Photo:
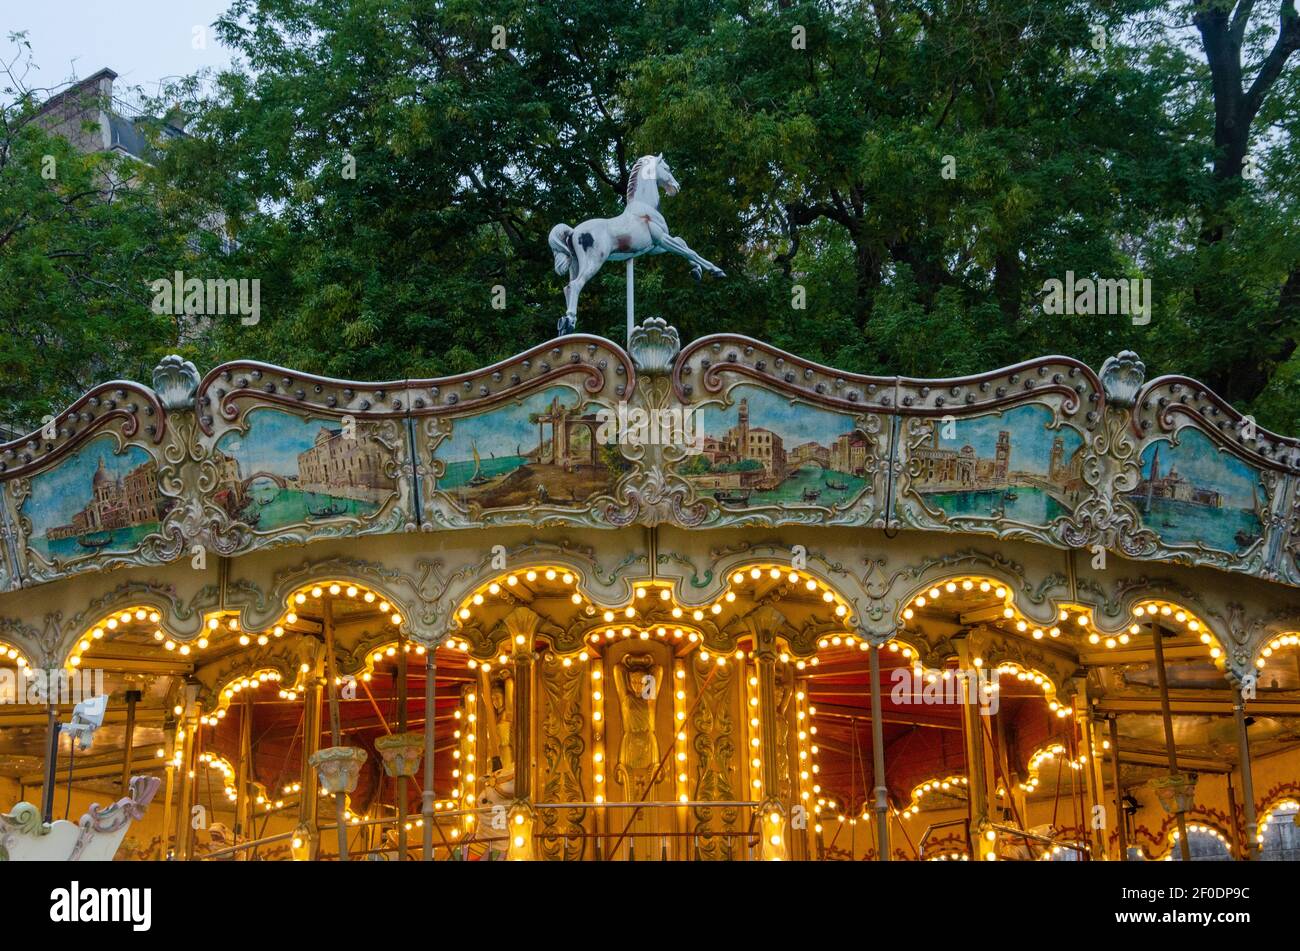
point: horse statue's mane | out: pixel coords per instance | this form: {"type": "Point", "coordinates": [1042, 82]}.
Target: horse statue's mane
{"type": "Point", "coordinates": [634, 173]}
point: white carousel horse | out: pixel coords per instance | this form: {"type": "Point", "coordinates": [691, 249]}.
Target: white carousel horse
{"type": "Point", "coordinates": [640, 229]}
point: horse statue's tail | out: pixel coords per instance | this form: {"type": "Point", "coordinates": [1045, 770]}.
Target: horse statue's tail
{"type": "Point", "coordinates": [561, 242]}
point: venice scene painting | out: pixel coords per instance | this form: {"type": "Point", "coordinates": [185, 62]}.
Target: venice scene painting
{"type": "Point", "coordinates": [1191, 493]}
{"type": "Point", "coordinates": [98, 500]}
{"type": "Point", "coordinates": [1013, 465]}
{"type": "Point", "coordinates": [544, 449]}
{"type": "Point", "coordinates": [286, 470]}
{"type": "Point", "coordinates": [764, 448]}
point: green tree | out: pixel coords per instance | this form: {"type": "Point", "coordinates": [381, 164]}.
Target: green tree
{"type": "Point", "coordinates": [81, 237]}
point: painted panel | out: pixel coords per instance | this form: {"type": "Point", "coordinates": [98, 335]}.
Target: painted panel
{"type": "Point", "coordinates": [99, 500]}
{"type": "Point", "coordinates": [762, 448]}
{"type": "Point", "coordinates": [1018, 466]}
{"type": "Point", "coordinates": [1191, 493]}
{"type": "Point", "coordinates": [540, 451]}
{"type": "Point", "coordinates": [286, 470]}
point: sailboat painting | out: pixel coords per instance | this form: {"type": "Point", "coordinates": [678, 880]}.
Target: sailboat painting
{"type": "Point", "coordinates": [541, 449]}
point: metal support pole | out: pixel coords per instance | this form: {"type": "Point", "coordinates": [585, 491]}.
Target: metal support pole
{"type": "Point", "coordinates": [51, 755]}
{"type": "Point", "coordinates": [1119, 792]}
{"type": "Point", "coordinates": [132, 698]}
{"type": "Point", "coordinates": [426, 805]}
{"type": "Point", "coordinates": [245, 768]}
{"type": "Point", "coordinates": [631, 305]}
{"type": "Point", "coordinates": [340, 810]}
{"type": "Point", "coordinates": [309, 798]}
{"type": "Point", "coordinates": [169, 748]}
{"type": "Point", "coordinates": [1247, 780]}
{"type": "Point", "coordinates": [402, 670]}
{"type": "Point", "coordinates": [1093, 782]}
{"type": "Point", "coordinates": [1184, 847]}
{"type": "Point", "coordinates": [878, 759]}
{"type": "Point", "coordinates": [189, 725]}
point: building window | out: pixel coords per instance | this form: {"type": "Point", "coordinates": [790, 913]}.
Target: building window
{"type": "Point", "coordinates": [1279, 836]}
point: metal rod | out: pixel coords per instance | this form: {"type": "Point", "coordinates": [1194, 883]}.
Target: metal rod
{"type": "Point", "coordinates": [631, 300]}
{"type": "Point", "coordinates": [1247, 779]}
{"type": "Point", "coordinates": [402, 671]}
{"type": "Point", "coordinates": [51, 759]}
{"type": "Point", "coordinates": [339, 809]}
{"type": "Point", "coordinates": [426, 806]}
{"type": "Point", "coordinates": [1184, 847]}
{"type": "Point", "coordinates": [132, 698]}
{"type": "Point", "coordinates": [878, 760]}
{"type": "Point", "coordinates": [1122, 826]}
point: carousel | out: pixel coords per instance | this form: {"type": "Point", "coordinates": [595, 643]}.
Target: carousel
{"type": "Point", "coordinates": [712, 602]}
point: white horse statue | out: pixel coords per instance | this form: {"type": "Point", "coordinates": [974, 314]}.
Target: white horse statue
{"type": "Point", "coordinates": [640, 229]}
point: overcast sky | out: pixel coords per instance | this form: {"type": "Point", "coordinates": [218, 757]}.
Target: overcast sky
{"type": "Point", "coordinates": [143, 41]}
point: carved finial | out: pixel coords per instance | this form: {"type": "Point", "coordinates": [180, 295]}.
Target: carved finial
{"type": "Point", "coordinates": [1121, 378]}
{"type": "Point", "coordinates": [654, 346]}
{"type": "Point", "coordinates": [175, 380]}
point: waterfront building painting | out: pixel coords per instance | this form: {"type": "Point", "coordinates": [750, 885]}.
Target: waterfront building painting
{"type": "Point", "coordinates": [1010, 465]}
{"type": "Point", "coordinates": [286, 469]}
{"type": "Point", "coordinates": [98, 500]}
{"type": "Point", "coordinates": [1190, 493]}
{"type": "Point", "coordinates": [763, 448]}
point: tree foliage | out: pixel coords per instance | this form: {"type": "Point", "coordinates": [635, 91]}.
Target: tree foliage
{"type": "Point", "coordinates": [911, 172]}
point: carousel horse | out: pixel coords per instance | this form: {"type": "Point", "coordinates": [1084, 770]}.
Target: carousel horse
{"type": "Point", "coordinates": [640, 229]}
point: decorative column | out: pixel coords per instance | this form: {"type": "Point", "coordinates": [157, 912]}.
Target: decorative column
{"type": "Point", "coordinates": [187, 733]}
{"type": "Point", "coordinates": [132, 698]}
{"type": "Point", "coordinates": [1093, 782]}
{"type": "Point", "coordinates": [403, 752]}
{"type": "Point", "coordinates": [1121, 824]}
{"type": "Point", "coordinates": [331, 763]}
{"type": "Point", "coordinates": [245, 767]}
{"type": "Point", "coordinates": [1175, 791]}
{"type": "Point", "coordinates": [169, 752]}
{"type": "Point", "coordinates": [306, 837]}
{"type": "Point", "coordinates": [878, 758]}
{"type": "Point", "coordinates": [522, 625]}
{"type": "Point", "coordinates": [1247, 779]}
{"type": "Point", "coordinates": [764, 623]}
{"type": "Point", "coordinates": [427, 797]}
{"type": "Point", "coordinates": [973, 733]}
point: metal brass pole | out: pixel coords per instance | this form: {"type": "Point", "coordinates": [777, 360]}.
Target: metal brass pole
{"type": "Point", "coordinates": [245, 767]}
{"type": "Point", "coordinates": [1184, 847]}
{"type": "Point", "coordinates": [631, 298]}
{"type": "Point", "coordinates": [426, 805]}
{"type": "Point", "coordinates": [184, 806]}
{"type": "Point", "coordinates": [1122, 826]}
{"type": "Point", "coordinates": [402, 669]}
{"type": "Point", "coordinates": [340, 811]}
{"type": "Point", "coordinates": [132, 698]}
{"type": "Point", "coordinates": [169, 750]}
{"type": "Point", "coordinates": [973, 733]}
{"type": "Point", "coordinates": [51, 753]}
{"type": "Point", "coordinates": [878, 759]}
{"type": "Point", "coordinates": [1092, 783]}
{"type": "Point", "coordinates": [309, 800]}
{"type": "Point", "coordinates": [1247, 779]}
